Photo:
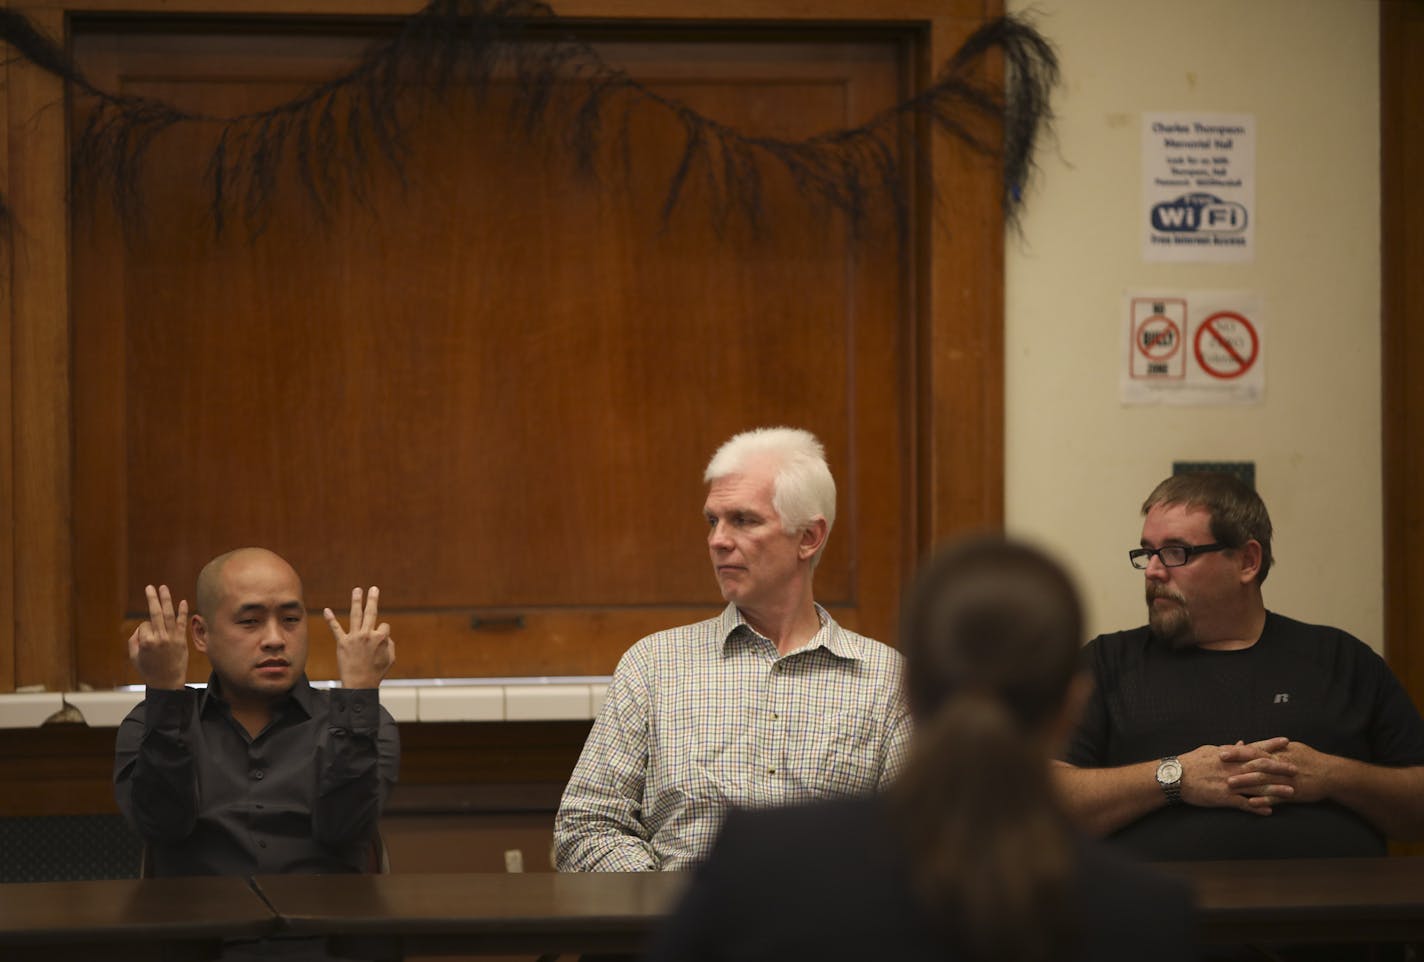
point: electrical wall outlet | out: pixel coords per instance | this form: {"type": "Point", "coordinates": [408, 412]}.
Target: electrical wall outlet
{"type": "Point", "coordinates": [1245, 470]}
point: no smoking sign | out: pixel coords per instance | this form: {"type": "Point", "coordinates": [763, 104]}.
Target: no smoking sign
{"type": "Point", "coordinates": [1226, 345]}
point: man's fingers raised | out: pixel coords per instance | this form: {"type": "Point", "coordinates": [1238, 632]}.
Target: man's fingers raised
{"type": "Point", "coordinates": [155, 610]}
{"type": "Point", "coordinates": [180, 621]}
{"type": "Point", "coordinates": [165, 604]}
{"type": "Point", "coordinates": [369, 620]}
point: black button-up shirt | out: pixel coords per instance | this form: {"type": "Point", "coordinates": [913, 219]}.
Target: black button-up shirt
{"type": "Point", "coordinates": [303, 796]}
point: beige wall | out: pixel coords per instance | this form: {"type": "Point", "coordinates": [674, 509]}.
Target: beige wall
{"type": "Point", "coordinates": [1079, 462]}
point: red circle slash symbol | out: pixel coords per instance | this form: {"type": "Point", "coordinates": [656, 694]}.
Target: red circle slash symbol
{"type": "Point", "coordinates": [1226, 345]}
{"type": "Point", "coordinates": [1158, 337]}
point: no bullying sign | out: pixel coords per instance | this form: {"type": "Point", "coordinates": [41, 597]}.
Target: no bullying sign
{"type": "Point", "coordinates": [1193, 347]}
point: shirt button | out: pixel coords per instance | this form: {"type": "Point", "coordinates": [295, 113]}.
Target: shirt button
{"type": "Point", "coordinates": [261, 843]}
{"type": "Point", "coordinates": [771, 771]}
{"type": "Point", "coordinates": [358, 709]}
{"type": "Point", "coordinates": [259, 805]}
{"type": "Point", "coordinates": [257, 774]}
{"type": "Point", "coordinates": [775, 716]}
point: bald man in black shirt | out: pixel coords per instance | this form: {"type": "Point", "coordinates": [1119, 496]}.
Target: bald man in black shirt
{"type": "Point", "coordinates": [258, 772]}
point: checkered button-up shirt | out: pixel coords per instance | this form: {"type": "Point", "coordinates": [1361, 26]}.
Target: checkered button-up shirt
{"type": "Point", "coordinates": [709, 716]}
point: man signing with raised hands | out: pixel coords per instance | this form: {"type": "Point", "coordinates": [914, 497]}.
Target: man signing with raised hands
{"type": "Point", "coordinates": [259, 772]}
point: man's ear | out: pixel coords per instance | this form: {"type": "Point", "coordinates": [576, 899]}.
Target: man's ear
{"type": "Point", "coordinates": [200, 634]}
{"type": "Point", "coordinates": [813, 536]}
{"type": "Point", "coordinates": [1250, 554]}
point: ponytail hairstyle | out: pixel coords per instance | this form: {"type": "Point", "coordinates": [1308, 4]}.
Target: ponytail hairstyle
{"type": "Point", "coordinates": [991, 633]}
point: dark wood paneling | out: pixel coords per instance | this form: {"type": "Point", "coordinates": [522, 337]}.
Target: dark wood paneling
{"type": "Point", "coordinates": [796, 12]}
{"type": "Point", "coordinates": [481, 397]}
{"type": "Point", "coordinates": [467, 843]}
{"type": "Point", "coordinates": [7, 438]}
{"type": "Point", "coordinates": [57, 770]}
{"type": "Point", "coordinates": [41, 609]}
{"type": "Point", "coordinates": [1402, 340]}
{"type": "Point", "coordinates": [1402, 350]}
{"type": "Point", "coordinates": [960, 391]}
{"type": "Point", "coordinates": [943, 365]}
{"type": "Point", "coordinates": [474, 768]}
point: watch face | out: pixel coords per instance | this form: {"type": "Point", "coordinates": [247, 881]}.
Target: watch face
{"type": "Point", "coordinates": [1169, 772]}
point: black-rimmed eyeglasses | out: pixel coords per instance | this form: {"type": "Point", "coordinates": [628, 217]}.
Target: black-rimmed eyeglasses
{"type": "Point", "coordinates": [1171, 555]}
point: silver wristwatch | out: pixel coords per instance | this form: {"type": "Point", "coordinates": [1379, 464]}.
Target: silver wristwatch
{"type": "Point", "coordinates": [1169, 776]}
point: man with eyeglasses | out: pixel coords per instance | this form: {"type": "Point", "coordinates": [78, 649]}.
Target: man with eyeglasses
{"type": "Point", "coordinates": [1223, 730]}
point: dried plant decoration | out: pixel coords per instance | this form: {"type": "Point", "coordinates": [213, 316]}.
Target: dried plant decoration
{"type": "Point", "coordinates": [334, 133]}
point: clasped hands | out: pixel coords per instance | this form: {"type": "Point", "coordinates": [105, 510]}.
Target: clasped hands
{"type": "Point", "coordinates": [158, 647]}
{"type": "Point", "coordinates": [1251, 776]}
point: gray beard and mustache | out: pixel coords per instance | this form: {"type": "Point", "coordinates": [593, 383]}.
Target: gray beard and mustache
{"type": "Point", "coordinates": [1171, 623]}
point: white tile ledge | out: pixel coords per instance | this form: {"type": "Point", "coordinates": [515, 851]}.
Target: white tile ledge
{"type": "Point", "coordinates": [29, 709]}
{"type": "Point", "coordinates": [548, 698]}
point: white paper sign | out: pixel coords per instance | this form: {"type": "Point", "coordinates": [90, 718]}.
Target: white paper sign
{"type": "Point", "coordinates": [1193, 347]}
{"type": "Point", "coordinates": [1198, 187]}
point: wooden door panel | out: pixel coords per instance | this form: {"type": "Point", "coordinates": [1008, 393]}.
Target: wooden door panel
{"type": "Point", "coordinates": [491, 390]}
{"type": "Point", "coordinates": [1402, 250]}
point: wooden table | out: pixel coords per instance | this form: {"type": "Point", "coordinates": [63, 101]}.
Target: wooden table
{"type": "Point", "coordinates": [382, 916]}
{"type": "Point", "coordinates": [128, 919]}
{"type": "Point", "coordinates": [1308, 900]}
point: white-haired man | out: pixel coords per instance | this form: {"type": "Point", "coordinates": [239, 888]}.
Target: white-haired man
{"type": "Point", "coordinates": [769, 703]}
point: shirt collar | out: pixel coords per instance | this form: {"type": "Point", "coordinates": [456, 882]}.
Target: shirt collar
{"type": "Point", "coordinates": [830, 636]}
{"type": "Point", "coordinates": [301, 693]}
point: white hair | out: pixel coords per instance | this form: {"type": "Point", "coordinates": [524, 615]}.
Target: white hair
{"type": "Point", "coordinates": [803, 488]}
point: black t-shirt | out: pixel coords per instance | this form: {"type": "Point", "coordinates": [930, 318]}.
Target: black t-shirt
{"type": "Point", "coordinates": [1309, 683]}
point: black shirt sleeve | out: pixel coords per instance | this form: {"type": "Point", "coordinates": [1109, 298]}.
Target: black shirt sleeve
{"type": "Point", "coordinates": [155, 779]}
{"type": "Point", "coordinates": [358, 758]}
{"type": "Point", "coordinates": [1088, 747]}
